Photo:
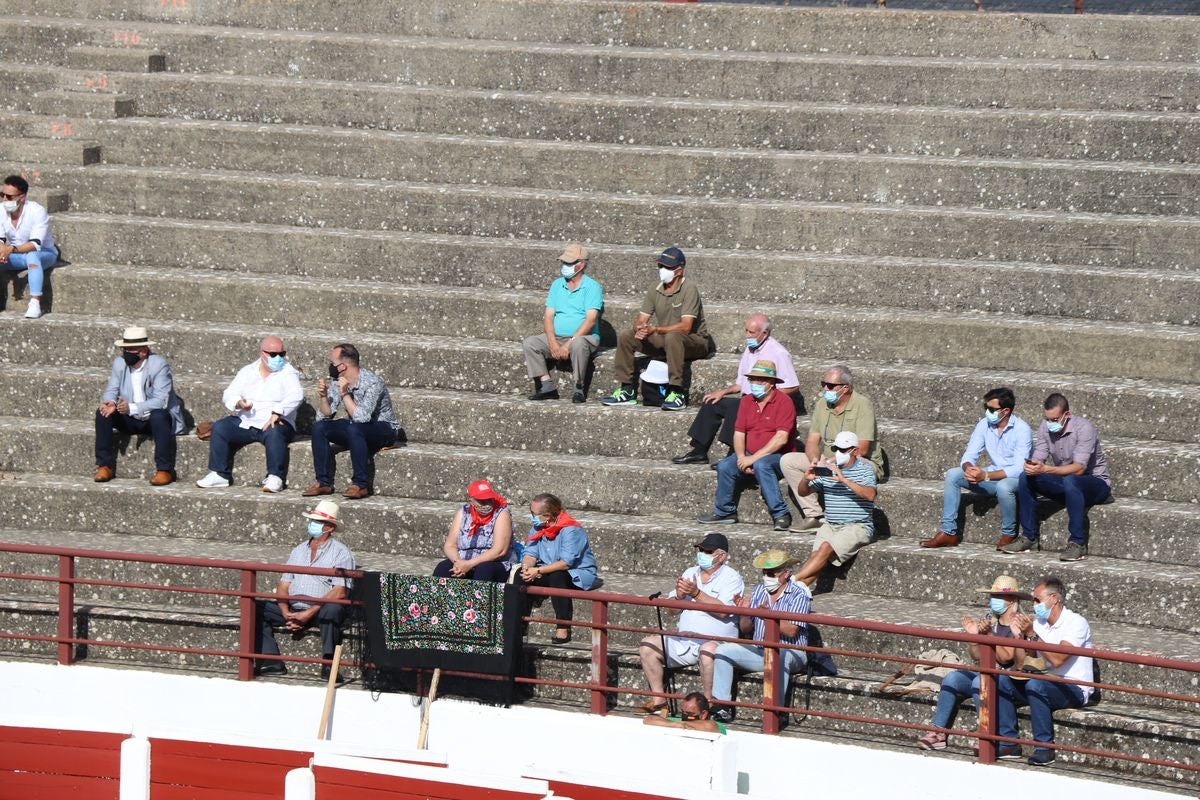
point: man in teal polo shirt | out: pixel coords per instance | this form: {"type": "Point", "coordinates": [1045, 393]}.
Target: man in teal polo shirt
{"type": "Point", "coordinates": [572, 326]}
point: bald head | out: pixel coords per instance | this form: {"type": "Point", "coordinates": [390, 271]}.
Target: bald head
{"type": "Point", "coordinates": [272, 344]}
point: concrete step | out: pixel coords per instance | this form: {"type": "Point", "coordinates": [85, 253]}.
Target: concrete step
{"type": "Point", "coordinates": [1136, 351]}
{"type": "Point", "coordinates": [49, 151]}
{"type": "Point", "coordinates": [1153, 410]}
{"type": "Point", "coordinates": [1135, 188]}
{"type": "Point", "coordinates": [718, 27]}
{"type": "Point", "coordinates": [1130, 241]}
{"type": "Point", "coordinates": [815, 279]}
{"type": "Point", "coordinates": [636, 119]}
{"type": "Point", "coordinates": [84, 102]}
{"type": "Point", "coordinates": [916, 449]}
{"type": "Point", "coordinates": [114, 57]}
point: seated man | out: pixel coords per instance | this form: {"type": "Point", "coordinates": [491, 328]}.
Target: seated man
{"type": "Point", "coordinates": [713, 585]}
{"type": "Point", "coordinates": [263, 397]}
{"type": "Point", "coordinates": [765, 430]}
{"type": "Point", "coordinates": [778, 593]}
{"type": "Point", "coordinates": [718, 410]}
{"type": "Point", "coordinates": [1077, 477]}
{"type": "Point", "coordinates": [1007, 440]}
{"type": "Point", "coordinates": [694, 715]}
{"type": "Point", "coordinates": [840, 408]}
{"type": "Point", "coordinates": [572, 327]}
{"type": "Point", "coordinates": [369, 424]}
{"type": "Point", "coordinates": [849, 486]}
{"type": "Point", "coordinates": [27, 241]}
{"type": "Point", "coordinates": [670, 327]}
{"type": "Point", "coordinates": [1053, 623]}
{"type": "Point", "coordinates": [139, 398]}
{"type": "Point", "coordinates": [320, 549]}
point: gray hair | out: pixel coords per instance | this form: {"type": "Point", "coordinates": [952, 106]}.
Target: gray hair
{"type": "Point", "coordinates": [764, 322]}
{"type": "Point", "coordinates": [844, 374]}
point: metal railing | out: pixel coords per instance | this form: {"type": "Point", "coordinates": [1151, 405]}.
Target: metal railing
{"type": "Point", "coordinates": [598, 686]}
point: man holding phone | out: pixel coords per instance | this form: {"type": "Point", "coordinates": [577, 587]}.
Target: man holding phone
{"type": "Point", "coordinates": [849, 489]}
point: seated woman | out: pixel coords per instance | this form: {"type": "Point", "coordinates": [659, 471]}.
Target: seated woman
{"type": "Point", "coordinates": [480, 544]}
{"type": "Point", "coordinates": [557, 555]}
{"type": "Point", "coordinates": [963, 683]}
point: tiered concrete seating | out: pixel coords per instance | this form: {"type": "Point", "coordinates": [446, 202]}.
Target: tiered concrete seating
{"type": "Point", "coordinates": [945, 202]}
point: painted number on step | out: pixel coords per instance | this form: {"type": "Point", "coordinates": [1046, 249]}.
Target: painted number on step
{"type": "Point", "coordinates": [127, 37]}
{"type": "Point", "coordinates": [172, 3]}
{"type": "Point", "coordinates": [61, 129]}
{"type": "Point", "coordinates": [96, 83]}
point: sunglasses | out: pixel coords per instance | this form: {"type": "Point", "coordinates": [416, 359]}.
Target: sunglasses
{"type": "Point", "coordinates": [273, 354]}
{"type": "Point", "coordinates": [709, 552]}
{"type": "Point", "coordinates": [825, 385]}
{"type": "Point", "coordinates": [996, 409]}
{"type": "Point", "coordinates": [8, 196]}
{"type": "Point", "coordinates": [837, 449]}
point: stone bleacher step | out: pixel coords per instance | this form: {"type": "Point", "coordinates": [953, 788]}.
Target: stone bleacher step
{"type": "Point", "coordinates": [1129, 187]}
{"type": "Point", "coordinates": [814, 278]}
{"type": "Point", "coordinates": [41, 151]}
{"type": "Point", "coordinates": [1125, 349]}
{"type": "Point", "coordinates": [854, 228]}
{"type": "Point", "coordinates": [633, 119]}
{"type": "Point", "coordinates": [114, 58]}
{"type": "Point", "coordinates": [917, 449]}
{"type": "Point", "coordinates": [82, 103]}
{"type": "Point", "coordinates": [414, 524]}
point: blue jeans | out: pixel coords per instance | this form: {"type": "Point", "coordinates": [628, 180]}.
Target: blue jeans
{"type": "Point", "coordinates": [749, 658]}
{"type": "Point", "coordinates": [956, 687]}
{"type": "Point", "coordinates": [227, 435]}
{"type": "Point", "coordinates": [1005, 492]}
{"type": "Point", "coordinates": [362, 439]}
{"type": "Point", "coordinates": [159, 424]}
{"type": "Point", "coordinates": [1043, 699]}
{"type": "Point", "coordinates": [731, 480]}
{"type": "Point", "coordinates": [36, 262]}
{"type": "Point", "coordinates": [1076, 492]}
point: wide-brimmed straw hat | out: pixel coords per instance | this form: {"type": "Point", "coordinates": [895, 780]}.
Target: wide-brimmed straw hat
{"type": "Point", "coordinates": [134, 336]}
{"type": "Point", "coordinates": [1006, 586]}
{"type": "Point", "coordinates": [326, 511]}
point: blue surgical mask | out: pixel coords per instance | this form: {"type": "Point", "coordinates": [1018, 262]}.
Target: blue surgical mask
{"type": "Point", "coordinates": [276, 363]}
{"type": "Point", "coordinates": [567, 270]}
{"type": "Point", "coordinates": [535, 521]}
{"type": "Point", "coordinates": [992, 417]}
{"type": "Point", "coordinates": [759, 390]}
{"type": "Point", "coordinates": [705, 560]}
{"type": "Point", "coordinates": [998, 605]}
{"type": "Point", "coordinates": [315, 528]}
{"type": "Point", "coordinates": [829, 396]}
{"type": "Point", "coordinates": [753, 343]}
{"type": "Point", "coordinates": [1042, 612]}
{"type": "Point", "coordinates": [1054, 427]}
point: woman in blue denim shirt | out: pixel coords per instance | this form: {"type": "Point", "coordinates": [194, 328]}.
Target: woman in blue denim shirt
{"type": "Point", "coordinates": [558, 556]}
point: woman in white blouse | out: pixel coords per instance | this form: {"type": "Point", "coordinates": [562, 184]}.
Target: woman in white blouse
{"type": "Point", "coordinates": [28, 243]}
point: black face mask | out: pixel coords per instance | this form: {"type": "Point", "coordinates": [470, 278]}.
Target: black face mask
{"type": "Point", "coordinates": [131, 359]}
{"type": "Point", "coordinates": [333, 372]}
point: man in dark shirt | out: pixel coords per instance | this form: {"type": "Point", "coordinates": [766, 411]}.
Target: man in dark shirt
{"type": "Point", "coordinates": [764, 431]}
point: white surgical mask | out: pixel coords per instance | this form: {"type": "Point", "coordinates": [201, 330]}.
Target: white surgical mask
{"type": "Point", "coordinates": [705, 560]}
{"type": "Point", "coordinates": [1054, 427]}
{"type": "Point", "coordinates": [841, 459]}
{"type": "Point", "coordinates": [992, 417]}
{"type": "Point", "coordinates": [10, 206]}
{"type": "Point", "coordinates": [666, 275]}
{"type": "Point", "coordinates": [567, 270]}
{"type": "Point", "coordinates": [770, 583]}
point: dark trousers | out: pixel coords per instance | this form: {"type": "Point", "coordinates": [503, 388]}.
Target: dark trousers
{"type": "Point", "coordinates": [268, 617]}
{"type": "Point", "coordinates": [1076, 492]}
{"type": "Point", "coordinates": [488, 571]}
{"type": "Point", "coordinates": [715, 421]}
{"type": "Point", "coordinates": [563, 607]}
{"type": "Point", "coordinates": [227, 435]}
{"type": "Point", "coordinates": [160, 425]}
{"type": "Point", "coordinates": [362, 439]}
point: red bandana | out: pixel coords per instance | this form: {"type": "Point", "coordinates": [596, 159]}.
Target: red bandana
{"type": "Point", "coordinates": [479, 520]}
{"type": "Point", "coordinates": [550, 531]}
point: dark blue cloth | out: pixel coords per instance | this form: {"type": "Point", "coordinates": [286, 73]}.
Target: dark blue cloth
{"type": "Point", "coordinates": [227, 435]}
{"type": "Point", "coordinates": [362, 439]}
{"type": "Point", "coordinates": [159, 424]}
{"type": "Point", "coordinates": [1076, 492]}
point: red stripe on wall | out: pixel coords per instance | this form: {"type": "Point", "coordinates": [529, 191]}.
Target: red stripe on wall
{"type": "Point", "coordinates": [579, 791]}
{"type": "Point", "coordinates": [41, 764]}
{"type": "Point", "coordinates": [337, 784]}
{"type": "Point", "coordinates": [38, 786]}
{"type": "Point", "coordinates": [202, 770]}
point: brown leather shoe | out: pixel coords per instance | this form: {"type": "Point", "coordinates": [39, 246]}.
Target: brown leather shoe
{"type": "Point", "coordinates": [1005, 540]}
{"type": "Point", "coordinates": [162, 478]}
{"type": "Point", "coordinates": [104, 474]}
{"type": "Point", "coordinates": [356, 492]}
{"type": "Point", "coordinates": [316, 489]}
{"type": "Point", "coordinates": [942, 539]}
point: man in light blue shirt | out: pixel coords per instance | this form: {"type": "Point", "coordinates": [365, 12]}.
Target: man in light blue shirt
{"type": "Point", "coordinates": [1007, 440]}
{"type": "Point", "coordinates": [572, 327]}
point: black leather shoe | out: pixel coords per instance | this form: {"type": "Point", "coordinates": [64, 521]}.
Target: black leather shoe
{"type": "Point", "coordinates": [271, 668]}
{"type": "Point", "coordinates": [544, 393]}
{"type": "Point", "coordinates": [691, 457]}
{"type": "Point", "coordinates": [579, 395]}
{"type": "Point", "coordinates": [326, 669]}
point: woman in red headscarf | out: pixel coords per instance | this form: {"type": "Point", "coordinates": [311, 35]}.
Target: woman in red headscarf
{"type": "Point", "coordinates": [479, 544]}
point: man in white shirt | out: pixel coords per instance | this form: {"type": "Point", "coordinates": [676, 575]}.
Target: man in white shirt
{"type": "Point", "coordinates": [27, 241]}
{"type": "Point", "coordinates": [263, 398]}
{"type": "Point", "coordinates": [1053, 623]}
{"type": "Point", "coordinates": [711, 584]}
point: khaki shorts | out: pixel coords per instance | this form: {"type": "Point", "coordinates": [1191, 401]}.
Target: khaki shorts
{"type": "Point", "coordinates": [846, 540]}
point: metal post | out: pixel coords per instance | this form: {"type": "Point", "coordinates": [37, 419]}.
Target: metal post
{"type": "Point", "coordinates": [771, 676]}
{"type": "Point", "coordinates": [1078, 6]}
{"type": "Point", "coordinates": [66, 609]}
{"type": "Point", "coordinates": [599, 655]}
{"type": "Point", "coordinates": [987, 703]}
{"type": "Point", "coordinates": [246, 631]}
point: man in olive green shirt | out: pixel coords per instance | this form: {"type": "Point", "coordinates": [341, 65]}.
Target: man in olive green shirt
{"type": "Point", "coordinates": [669, 327]}
{"type": "Point", "coordinates": [838, 408]}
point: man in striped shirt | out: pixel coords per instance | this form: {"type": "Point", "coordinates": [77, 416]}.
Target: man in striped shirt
{"type": "Point", "coordinates": [778, 593]}
{"type": "Point", "coordinates": [848, 485]}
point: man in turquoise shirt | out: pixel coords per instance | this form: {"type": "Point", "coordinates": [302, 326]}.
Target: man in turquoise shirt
{"type": "Point", "coordinates": [572, 326]}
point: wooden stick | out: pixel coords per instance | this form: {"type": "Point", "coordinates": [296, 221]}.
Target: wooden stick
{"type": "Point", "coordinates": [330, 687]}
{"type": "Point", "coordinates": [423, 736]}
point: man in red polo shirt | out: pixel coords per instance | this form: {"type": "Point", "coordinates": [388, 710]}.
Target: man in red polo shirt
{"type": "Point", "coordinates": [765, 430]}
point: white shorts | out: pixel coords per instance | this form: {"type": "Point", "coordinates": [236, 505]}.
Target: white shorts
{"type": "Point", "coordinates": [683, 652]}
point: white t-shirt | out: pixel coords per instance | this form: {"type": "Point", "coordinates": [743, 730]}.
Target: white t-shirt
{"type": "Point", "coordinates": [1074, 630]}
{"type": "Point", "coordinates": [32, 226]}
{"type": "Point", "coordinates": [725, 584]}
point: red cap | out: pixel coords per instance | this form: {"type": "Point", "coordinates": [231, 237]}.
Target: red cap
{"type": "Point", "coordinates": [482, 490]}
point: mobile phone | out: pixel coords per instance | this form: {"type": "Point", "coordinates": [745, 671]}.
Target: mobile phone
{"type": "Point", "coordinates": [822, 472]}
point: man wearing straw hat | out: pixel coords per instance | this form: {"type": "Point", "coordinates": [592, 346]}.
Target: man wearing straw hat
{"type": "Point", "coordinates": [765, 430]}
{"type": "Point", "coordinates": [319, 550]}
{"type": "Point", "coordinates": [139, 398]}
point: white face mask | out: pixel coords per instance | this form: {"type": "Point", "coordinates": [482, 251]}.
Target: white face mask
{"type": "Point", "coordinates": [666, 275]}
{"type": "Point", "coordinates": [841, 459]}
{"type": "Point", "coordinates": [771, 583]}
{"type": "Point", "coordinates": [10, 206]}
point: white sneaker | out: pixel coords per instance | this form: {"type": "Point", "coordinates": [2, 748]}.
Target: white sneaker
{"type": "Point", "coordinates": [35, 309]}
{"type": "Point", "coordinates": [273, 484]}
{"type": "Point", "coordinates": [212, 481]}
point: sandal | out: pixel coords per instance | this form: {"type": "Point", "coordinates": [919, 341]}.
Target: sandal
{"type": "Point", "coordinates": [653, 705]}
{"type": "Point", "coordinates": [561, 639]}
{"type": "Point", "coordinates": [932, 740]}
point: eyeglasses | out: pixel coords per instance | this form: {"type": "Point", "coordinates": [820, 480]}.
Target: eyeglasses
{"type": "Point", "coordinates": [996, 409]}
{"type": "Point", "coordinates": [837, 449]}
{"type": "Point", "coordinates": [272, 354]}
{"type": "Point", "coordinates": [827, 385]}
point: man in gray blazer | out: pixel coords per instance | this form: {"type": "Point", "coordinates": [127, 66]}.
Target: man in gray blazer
{"type": "Point", "coordinates": [140, 398]}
